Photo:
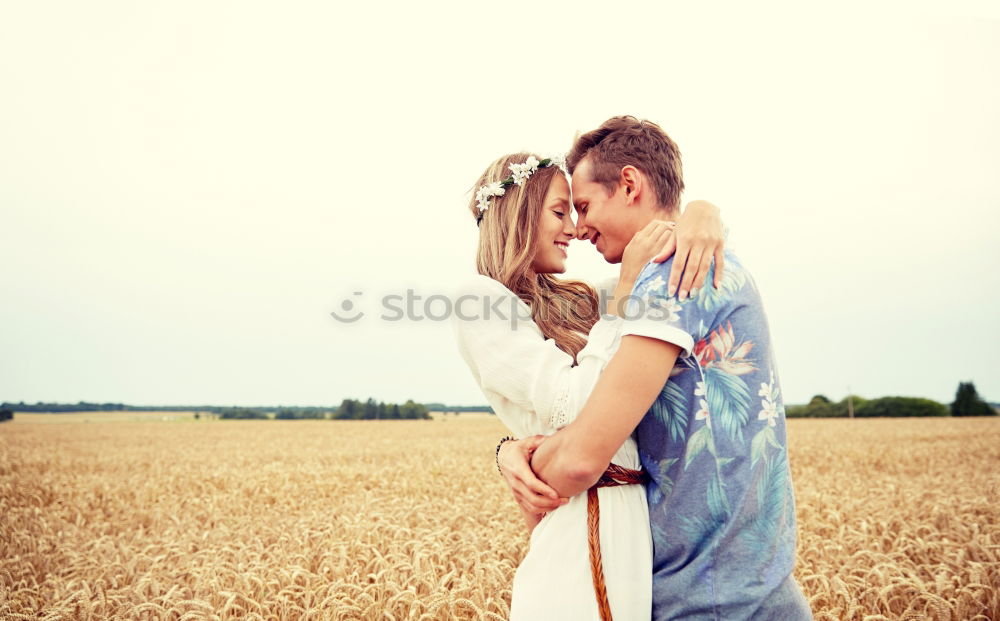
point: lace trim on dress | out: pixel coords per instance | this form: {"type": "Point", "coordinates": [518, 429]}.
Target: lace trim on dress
{"type": "Point", "coordinates": [559, 416]}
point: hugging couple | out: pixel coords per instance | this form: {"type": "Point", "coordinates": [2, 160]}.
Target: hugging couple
{"type": "Point", "coordinates": [649, 455]}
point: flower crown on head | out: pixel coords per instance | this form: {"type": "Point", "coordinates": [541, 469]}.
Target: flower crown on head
{"type": "Point", "coordinates": [519, 173]}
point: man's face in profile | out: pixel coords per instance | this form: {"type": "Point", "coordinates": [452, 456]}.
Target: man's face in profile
{"type": "Point", "coordinates": [599, 216]}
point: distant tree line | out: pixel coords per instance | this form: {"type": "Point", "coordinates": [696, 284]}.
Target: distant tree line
{"type": "Point", "coordinates": [242, 414]}
{"type": "Point", "coordinates": [87, 406]}
{"type": "Point", "coordinates": [301, 413]}
{"type": "Point", "coordinates": [440, 407]}
{"type": "Point", "coordinates": [349, 409]}
{"type": "Point", "coordinates": [967, 403]}
{"type": "Point", "coordinates": [82, 406]}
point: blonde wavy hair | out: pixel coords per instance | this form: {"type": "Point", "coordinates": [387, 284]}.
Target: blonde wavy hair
{"type": "Point", "coordinates": [564, 310]}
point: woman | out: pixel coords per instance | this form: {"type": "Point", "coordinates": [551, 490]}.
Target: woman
{"type": "Point", "coordinates": [537, 360]}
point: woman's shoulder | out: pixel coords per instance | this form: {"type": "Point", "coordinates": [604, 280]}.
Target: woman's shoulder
{"type": "Point", "coordinates": [476, 281]}
{"type": "Point", "coordinates": [479, 301]}
{"type": "Point", "coordinates": [485, 288]}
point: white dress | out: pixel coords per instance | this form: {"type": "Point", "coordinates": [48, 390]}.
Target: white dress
{"type": "Point", "coordinates": [534, 389]}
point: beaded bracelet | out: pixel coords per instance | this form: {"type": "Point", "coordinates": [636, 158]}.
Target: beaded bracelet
{"type": "Point", "coordinates": [502, 440]}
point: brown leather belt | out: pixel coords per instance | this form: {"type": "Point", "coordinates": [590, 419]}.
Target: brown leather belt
{"type": "Point", "coordinates": [613, 476]}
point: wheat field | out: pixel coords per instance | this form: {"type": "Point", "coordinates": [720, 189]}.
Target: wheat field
{"type": "Point", "coordinates": [898, 519]}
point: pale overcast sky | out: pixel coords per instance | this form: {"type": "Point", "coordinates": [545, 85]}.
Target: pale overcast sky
{"type": "Point", "coordinates": [187, 189]}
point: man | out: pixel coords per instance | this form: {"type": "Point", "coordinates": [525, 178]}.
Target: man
{"type": "Point", "coordinates": [695, 378]}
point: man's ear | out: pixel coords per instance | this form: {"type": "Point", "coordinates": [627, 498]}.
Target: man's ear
{"type": "Point", "coordinates": [632, 181]}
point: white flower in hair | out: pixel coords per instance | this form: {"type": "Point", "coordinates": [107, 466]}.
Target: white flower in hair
{"type": "Point", "coordinates": [486, 192]}
{"type": "Point", "coordinates": [519, 173]}
{"type": "Point", "coordinates": [560, 161]}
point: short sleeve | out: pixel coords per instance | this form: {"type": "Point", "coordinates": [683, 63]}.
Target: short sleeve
{"type": "Point", "coordinates": [652, 312]}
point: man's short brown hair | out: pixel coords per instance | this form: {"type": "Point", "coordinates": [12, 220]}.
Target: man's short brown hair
{"type": "Point", "coordinates": [627, 141]}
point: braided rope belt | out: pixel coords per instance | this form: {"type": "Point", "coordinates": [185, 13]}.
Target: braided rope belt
{"type": "Point", "coordinates": [615, 475]}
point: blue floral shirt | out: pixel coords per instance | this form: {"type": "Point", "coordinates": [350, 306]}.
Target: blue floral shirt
{"type": "Point", "coordinates": [721, 507]}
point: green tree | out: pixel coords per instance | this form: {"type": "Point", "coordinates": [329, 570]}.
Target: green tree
{"type": "Point", "coordinates": [6, 415]}
{"type": "Point", "coordinates": [310, 413]}
{"type": "Point", "coordinates": [241, 414]}
{"type": "Point", "coordinates": [968, 402]}
{"type": "Point", "coordinates": [411, 410]}
{"type": "Point", "coordinates": [346, 411]}
{"type": "Point", "coordinates": [818, 407]}
{"type": "Point", "coordinates": [900, 406]}
{"type": "Point", "coordinates": [352, 409]}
